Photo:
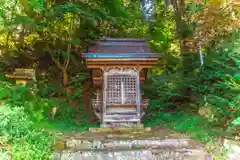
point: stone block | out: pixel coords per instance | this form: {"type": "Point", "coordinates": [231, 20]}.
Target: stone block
{"type": "Point", "coordinates": [56, 156]}
{"type": "Point", "coordinates": [195, 154]}
{"type": "Point", "coordinates": [59, 145]}
{"type": "Point", "coordinates": [233, 149]}
{"type": "Point", "coordinates": [5, 156]}
{"type": "Point", "coordinates": [96, 130]}
{"type": "Point", "coordinates": [67, 155]}
{"type": "Point", "coordinates": [78, 144]}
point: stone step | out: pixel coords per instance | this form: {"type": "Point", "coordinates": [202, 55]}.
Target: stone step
{"type": "Point", "coordinates": [118, 118]}
{"type": "Point", "coordinates": [120, 129]}
{"type": "Point", "coordinates": [108, 144]}
{"type": "Point", "coordinates": [126, 143]}
{"type": "Point", "coordinates": [161, 154]}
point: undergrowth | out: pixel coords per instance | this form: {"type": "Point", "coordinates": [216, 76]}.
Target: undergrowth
{"type": "Point", "coordinates": [204, 103]}
{"type": "Point", "coordinates": [65, 125]}
{"type": "Point", "coordinates": [17, 132]}
{"type": "Point", "coordinates": [192, 125]}
{"type": "Point", "coordinates": [27, 131]}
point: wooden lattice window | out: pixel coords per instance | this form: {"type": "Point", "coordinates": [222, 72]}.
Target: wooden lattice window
{"type": "Point", "coordinates": [121, 89]}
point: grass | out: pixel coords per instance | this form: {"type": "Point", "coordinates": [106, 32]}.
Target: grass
{"type": "Point", "coordinates": [192, 125]}
{"type": "Point", "coordinates": [65, 125]}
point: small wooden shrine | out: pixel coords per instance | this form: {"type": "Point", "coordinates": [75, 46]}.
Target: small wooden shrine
{"type": "Point", "coordinates": [22, 75]}
{"type": "Point", "coordinates": [119, 69]}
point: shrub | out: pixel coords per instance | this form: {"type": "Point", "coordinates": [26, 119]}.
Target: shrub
{"type": "Point", "coordinates": [16, 130]}
{"type": "Point", "coordinates": [19, 112]}
{"type": "Point", "coordinates": [37, 145]}
{"type": "Point", "coordinates": [216, 86]}
{"type": "Point", "coordinates": [218, 80]}
{"type": "Point", "coordinates": [13, 122]}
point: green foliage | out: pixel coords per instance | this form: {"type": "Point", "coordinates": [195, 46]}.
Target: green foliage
{"type": "Point", "coordinates": [218, 80]}
{"type": "Point", "coordinates": [66, 112]}
{"type": "Point", "coordinates": [21, 96]}
{"type": "Point", "coordinates": [5, 89]}
{"type": "Point", "coordinates": [163, 30]}
{"type": "Point", "coordinates": [24, 117]}
{"type": "Point", "coordinates": [60, 31]}
{"type": "Point", "coordinates": [236, 122]}
{"type": "Point", "coordinates": [66, 125]}
{"type": "Point", "coordinates": [195, 126]}
{"type": "Point", "coordinates": [17, 129]}
{"type": "Point", "coordinates": [14, 122]}
{"type": "Point", "coordinates": [214, 86]}
{"type": "Point", "coordinates": [165, 91]}
{"type": "Point", "coordinates": [47, 90]}
{"type": "Point", "coordinates": [77, 83]}
{"type": "Point", "coordinates": [37, 145]}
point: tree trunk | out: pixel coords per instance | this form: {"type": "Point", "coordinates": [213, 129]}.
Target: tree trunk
{"type": "Point", "coordinates": [89, 109]}
{"type": "Point", "coordinates": [7, 42]}
{"type": "Point", "coordinates": [178, 6]}
{"type": "Point", "coordinates": [21, 36]}
{"type": "Point", "coordinates": [65, 78]}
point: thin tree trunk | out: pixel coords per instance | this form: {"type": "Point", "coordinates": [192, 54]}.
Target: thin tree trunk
{"type": "Point", "coordinates": [69, 47]}
{"type": "Point", "coordinates": [178, 6]}
{"type": "Point", "coordinates": [7, 40]}
{"type": "Point", "coordinates": [21, 36]}
{"type": "Point", "coordinates": [84, 103]}
{"type": "Point", "coordinates": [89, 106]}
{"type": "Point", "coordinates": [65, 78]}
{"type": "Point", "coordinates": [85, 100]}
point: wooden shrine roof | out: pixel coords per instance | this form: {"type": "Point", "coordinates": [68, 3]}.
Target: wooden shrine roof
{"type": "Point", "coordinates": [21, 73]}
{"type": "Point", "coordinates": [115, 52]}
{"type": "Point", "coordinates": [120, 55]}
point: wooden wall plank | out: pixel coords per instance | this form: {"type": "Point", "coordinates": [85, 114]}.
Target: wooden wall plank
{"type": "Point", "coordinates": [119, 62]}
{"type": "Point", "coordinates": [116, 66]}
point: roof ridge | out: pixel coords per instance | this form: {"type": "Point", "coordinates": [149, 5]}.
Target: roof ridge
{"type": "Point", "coordinates": [126, 39]}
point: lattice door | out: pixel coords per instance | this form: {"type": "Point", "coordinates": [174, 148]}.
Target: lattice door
{"type": "Point", "coordinates": [121, 89]}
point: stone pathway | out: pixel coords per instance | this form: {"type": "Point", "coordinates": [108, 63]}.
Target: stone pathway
{"type": "Point", "coordinates": [128, 144]}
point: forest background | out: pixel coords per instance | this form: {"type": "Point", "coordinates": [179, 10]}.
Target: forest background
{"type": "Point", "coordinates": [194, 89]}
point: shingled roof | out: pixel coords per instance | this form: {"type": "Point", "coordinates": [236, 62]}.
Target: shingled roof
{"type": "Point", "coordinates": [116, 49]}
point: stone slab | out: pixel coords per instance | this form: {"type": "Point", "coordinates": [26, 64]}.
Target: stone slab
{"type": "Point", "coordinates": [132, 155]}
{"type": "Point", "coordinates": [75, 144]}
{"type": "Point", "coordinates": [233, 149]}
{"type": "Point", "coordinates": [120, 129]}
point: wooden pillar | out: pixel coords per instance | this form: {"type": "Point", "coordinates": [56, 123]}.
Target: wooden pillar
{"type": "Point", "coordinates": [138, 95]}
{"type": "Point", "coordinates": [104, 96]}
